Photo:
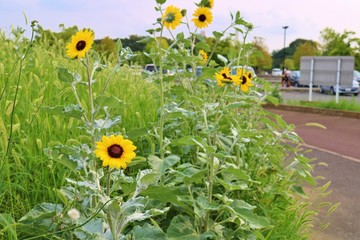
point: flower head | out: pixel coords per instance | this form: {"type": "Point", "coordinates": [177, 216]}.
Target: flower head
{"type": "Point", "coordinates": [202, 17]}
{"type": "Point", "coordinates": [80, 44]}
{"type": "Point", "coordinates": [224, 77]}
{"type": "Point", "coordinates": [172, 17]}
{"type": "Point", "coordinates": [204, 56]}
{"type": "Point", "coordinates": [245, 78]}
{"type": "Point", "coordinates": [74, 214]}
{"type": "Point", "coordinates": [115, 151]}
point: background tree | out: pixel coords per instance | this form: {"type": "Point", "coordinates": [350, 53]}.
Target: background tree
{"type": "Point", "coordinates": [260, 57]}
{"type": "Point", "coordinates": [340, 44]}
{"type": "Point", "coordinates": [106, 46]}
{"type": "Point", "coordinates": [308, 48]}
{"type": "Point", "coordinates": [288, 52]}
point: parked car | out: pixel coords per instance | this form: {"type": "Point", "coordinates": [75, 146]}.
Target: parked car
{"type": "Point", "coordinates": [353, 90]}
{"type": "Point", "coordinates": [150, 69]}
{"type": "Point", "coordinates": [276, 72]}
{"type": "Point", "coordinates": [294, 78]}
{"type": "Point", "coordinates": [357, 76]}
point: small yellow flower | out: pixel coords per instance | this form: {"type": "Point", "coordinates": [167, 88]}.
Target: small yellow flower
{"type": "Point", "coordinates": [211, 3]}
{"type": "Point", "coordinates": [172, 17]}
{"type": "Point", "coordinates": [204, 56]}
{"type": "Point", "coordinates": [80, 44]}
{"type": "Point", "coordinates": [245, 78]}
{"type": "Point", "coordinates": [115, 151]}
{"type": "Point", "coordinates": [202, 17]}
{"type": "Point", "coordinates": [224, 77]}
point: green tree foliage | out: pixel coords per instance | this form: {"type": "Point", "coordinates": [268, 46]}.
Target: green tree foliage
{"type": "Point", "coordinates": [340, 44]}
{"type": "Point", "coordinates": [134, 43]}
{"type": "Point", "coordinates": [309, 48]}
{"type": "Point", "coordinates": [51, 38]}
{"type": "Point", "coordinates": [106, 46]}
{"type": "Point", "coordinates": [260, 57]}
{"type": "Point", "coordinates": [288, 52]}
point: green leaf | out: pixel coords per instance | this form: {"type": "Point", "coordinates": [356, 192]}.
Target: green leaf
{"type": "Point", "coordinates": [169, 162]}
{"type": "Point", "coordinates": [232, 174]}
{"type": "Point", "coordinates": [118, 46]}
{"type": "Point", "coordinates": [42, 211]}
{"type": "Point", "coordinates": [197, 176]}
{"type": "Point", "coordinates": [60, 158]}
{"type": "Point", "coordinates": [311, 124]}
{"type": "Point", "coordinates": [272, 100]}
{"type": "Point", "coordinates": [244, 210]}
{"type": "Point", "coordinates": [137, 132]}
{"type": "Point", "coordinates": [160, 1]}
{"type": "Point", "coordinates": [148, 232]}
{"type": "Point", "coordinates": [182, 228]}
{"type": "Point", "coordinates": [202, 46]}
{"type": "Point", "coordinates": [72, 110]}
{"type": "Point", "coordinates": [239, 105]}
{"type": "Point", "coordinates": [64, 75]}
{"type": "Point", "coordinates": [217, 34]}
{"type": "Point", "coordinates": [109, 101]}
{"type": "Point", "coordinates": [163, 193]}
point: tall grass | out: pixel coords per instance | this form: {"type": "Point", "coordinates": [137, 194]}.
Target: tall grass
{"type": "Point", "coordinates": [28, 177]}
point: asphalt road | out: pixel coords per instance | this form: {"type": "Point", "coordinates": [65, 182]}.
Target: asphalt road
{"type": "Point", "coordinates": [338, 146]}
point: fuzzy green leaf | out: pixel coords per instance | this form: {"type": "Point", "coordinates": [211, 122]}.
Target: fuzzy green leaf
{"type": "Point", "coordinates": [148, 232]}
{"type": "Point", "coordinates": [42, 211]}
{"type": "Point", "coordinates": [182, 228]}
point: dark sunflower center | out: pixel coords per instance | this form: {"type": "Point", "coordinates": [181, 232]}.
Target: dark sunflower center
{"type": "Point", "coordinates": [226, 77]}
{"type": "Point", "coordinates": [202, 18]}
{"type": "Point", "coordinates": [170, 17]}
{"type": "Point", "coordinates": [244, 80]}
{"type": "Point", "coordinates": [80, 45]}
{"type": "Point", "coordinates": [115, 151]}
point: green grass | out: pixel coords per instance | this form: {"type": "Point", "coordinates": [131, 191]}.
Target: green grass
{"type": "Point", "coordinates": [27, 176]}
{"type": "Point", "coordinates": [343, 104]}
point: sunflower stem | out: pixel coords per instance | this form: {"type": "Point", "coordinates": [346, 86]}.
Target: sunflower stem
{"type": "Point", "coordinates": [162, 98]}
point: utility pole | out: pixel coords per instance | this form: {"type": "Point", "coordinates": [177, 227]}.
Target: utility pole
{"type": "Point", "coordinates": [284, 55]}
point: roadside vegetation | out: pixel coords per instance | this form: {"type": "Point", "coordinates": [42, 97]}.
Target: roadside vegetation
{"type": "Point", "coordinates": [343, 104]}
{"type": "Point", "coordinates": [93, 149]}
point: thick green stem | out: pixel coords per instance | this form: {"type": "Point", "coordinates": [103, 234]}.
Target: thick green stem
{"type": "Point", "coordinates": [112, 224]}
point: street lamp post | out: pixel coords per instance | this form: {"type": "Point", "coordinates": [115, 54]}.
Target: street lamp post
{"type": "Point", "coordinates": [284, 27]}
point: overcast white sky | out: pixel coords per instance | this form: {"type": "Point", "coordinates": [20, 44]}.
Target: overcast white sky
{"type": "Point", "coordinates": [121, 18]}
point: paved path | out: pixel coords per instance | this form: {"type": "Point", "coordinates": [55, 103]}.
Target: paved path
{"type": "Point", "coordinates": [342, 135]}
{"type": "Point", "coordinates": [339, 147]}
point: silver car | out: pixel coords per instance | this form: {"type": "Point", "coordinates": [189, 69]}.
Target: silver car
{"type": "Point", "coordinates": [346, 90]}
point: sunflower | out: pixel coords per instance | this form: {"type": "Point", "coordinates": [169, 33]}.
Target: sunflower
{"type": "Point", "coordinates": [172, 17]}
{"type": "Point", "coordinates": [224, 77]}
{"type": "Point", "coordinates": [80, 44]}
{"type": "Point", "coordinates": [202, 17]}
{"type": "Point", "coordinates": [204, 56]}
{"type": "Point", "coordinates": [115, 151]}
{"type": "Point", "coordinates": [245, 78]}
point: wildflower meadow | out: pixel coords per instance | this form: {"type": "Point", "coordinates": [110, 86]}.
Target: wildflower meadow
{"type": "Point", "coordinates": [91, 149]}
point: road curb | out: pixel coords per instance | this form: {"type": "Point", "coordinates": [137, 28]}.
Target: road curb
{"type": "Point", "coordinates": [323, 111]}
